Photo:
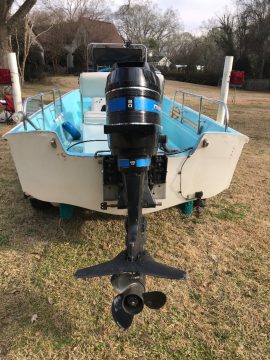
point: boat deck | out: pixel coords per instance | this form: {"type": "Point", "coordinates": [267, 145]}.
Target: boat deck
{"type": "Point", "coordinates": [183, 126]}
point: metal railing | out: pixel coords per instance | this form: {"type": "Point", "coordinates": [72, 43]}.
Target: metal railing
{"type": "Point", "coordinates": [201, 99]}
{"type": "Point", "coordinates": [40, 98]}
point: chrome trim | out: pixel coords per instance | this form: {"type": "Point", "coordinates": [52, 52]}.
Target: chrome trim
{"type": "Point", "coordinates": [40, 97]}
{"type": "Point", "coordinates": [201, 98]}
{"type": "Point", "coordinates": [133, 87]}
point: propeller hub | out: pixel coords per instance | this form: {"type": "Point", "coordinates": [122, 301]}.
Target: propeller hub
{"type": "Point", "coordinates": [132, 300]}
{"type": "Point", "coordinates": [133, 304]}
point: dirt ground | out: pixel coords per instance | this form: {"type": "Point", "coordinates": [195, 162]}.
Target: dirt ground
{"type": "Point", "coordinates": [220, 312]}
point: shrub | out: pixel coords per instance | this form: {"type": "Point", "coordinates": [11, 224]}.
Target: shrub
{"type": "Point", "coordinates": [34, 67]}
{"type": "Point", "coordinates": [196, 77]}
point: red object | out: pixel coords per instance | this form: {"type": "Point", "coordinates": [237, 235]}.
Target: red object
{"type": "Point", "coordinates": [237, 78]}
{"type": "Point", "coordinates": [5, 77]}
{"type": "Point", "coordinates": [7, 104]}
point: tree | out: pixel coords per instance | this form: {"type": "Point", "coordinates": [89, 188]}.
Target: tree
{"type": "Point", "coordinates": [257, 25]}
{"type": "Point", "coordinates": [74, 10]}
{"type": "Point", "coordinates": [225, 34]}
{"type": "Point", "coordinates": [180, 48]}
{"type": "Point", "coordinates": [8, 21]}
{"type": "Point", "coordinates": [145, 23]}
{"type": "Point", "coordinates": [26, 37]}
{"type": "Point", "coordinates": [245, 34]}
{"type": "Point", "coordinates": [55, 51]}
{"type": "Point", "coordinates": [76, 22]}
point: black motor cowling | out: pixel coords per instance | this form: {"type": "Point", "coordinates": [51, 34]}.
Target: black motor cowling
{"type": "Point", "coordinates": [133, 98]}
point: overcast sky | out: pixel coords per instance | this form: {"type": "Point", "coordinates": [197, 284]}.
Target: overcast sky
{"type": "Point", "coordinates": [193, 12]}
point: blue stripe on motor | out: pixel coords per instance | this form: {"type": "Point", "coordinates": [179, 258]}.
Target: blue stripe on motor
{"type": "Point", "coordinates": [144, 104]}
{"type": "Point", "coordinates": [143, 162]}
{"type": "Point", "coordinates": [118, 104]}
{"type": "Point", "coordinates": [123, 163]}
{"type": "Point", "coordinates": [140, 104]}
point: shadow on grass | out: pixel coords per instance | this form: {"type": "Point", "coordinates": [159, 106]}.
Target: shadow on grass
{"type": "Point", "coordinates": [95, 215]}
{"type": "Point", "coordinates": [25, 226]}
{"type": "Point", "coordinates": [16, 312]}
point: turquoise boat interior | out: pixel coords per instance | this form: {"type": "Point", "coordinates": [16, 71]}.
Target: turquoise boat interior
{"type": "Point", "coordinates": [183, 126]}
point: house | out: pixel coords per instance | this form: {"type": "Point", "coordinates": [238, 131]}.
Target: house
{"type": "Point", "coordinates": [159, 60]}
{"type": "Point", "coordinates": [180, 67]}
{"type": "Point", "coordinates": [184, 67]}
{"type": "Point", "coordinates": [65, 43]}
{"type": "Point", "coordinates": [164, 62]}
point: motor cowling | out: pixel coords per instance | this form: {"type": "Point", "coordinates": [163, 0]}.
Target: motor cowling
{"type": "Point", "coordinates": [133, 98]}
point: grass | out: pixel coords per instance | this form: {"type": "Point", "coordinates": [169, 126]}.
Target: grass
{"type": "Point", "coordinates": [220, 312]}
{"type": "Point", "coordinates": [234, 211]}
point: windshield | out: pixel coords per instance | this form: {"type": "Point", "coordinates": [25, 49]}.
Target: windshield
{"type": "Point", "coordinates": [102, 56]}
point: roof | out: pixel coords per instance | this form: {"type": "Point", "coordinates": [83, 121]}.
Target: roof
{"type": "Point", "coordinates": [77, 33]}
{"type": "Point", "coordinates": [101, 31]}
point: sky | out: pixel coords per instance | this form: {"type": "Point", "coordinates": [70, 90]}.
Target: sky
{"type": "Point", "coordinates": [193, 12]}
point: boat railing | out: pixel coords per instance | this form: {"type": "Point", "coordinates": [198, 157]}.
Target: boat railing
{"type": "Point", "coordinates": [36, 103]}
{"type": "Point", "coordinates": [179, 112]}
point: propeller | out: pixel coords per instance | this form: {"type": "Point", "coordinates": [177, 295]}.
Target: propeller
{"type": "Point", "coordinates": [154, 299]}
{"type": "Point", "coordinates": [122, 318]}
{"type": "Point", "coordinates": [125, 306]}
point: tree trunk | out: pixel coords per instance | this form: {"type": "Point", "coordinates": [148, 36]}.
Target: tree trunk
{"type": "Point", "coordinates": [54, 63]}
{"type": "Point", "coordinates": [4, 45]}
{"type": "Point", "coordinates": [23, 71]}
{"type": "Point", "coordinates": [262, 64]}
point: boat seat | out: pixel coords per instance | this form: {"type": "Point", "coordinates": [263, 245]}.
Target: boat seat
{"type": "Point", "coordinates": [92, 84]}
{"type": "Point", "coordinates": [93, 126]}
{"type": "Point", "coordinates": [94, 131]}
{"type": "Point", "coordinates": [95, 117]}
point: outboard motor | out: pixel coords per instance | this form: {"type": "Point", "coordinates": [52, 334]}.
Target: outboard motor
{"type": "Point", "coordinates": [133, 98]}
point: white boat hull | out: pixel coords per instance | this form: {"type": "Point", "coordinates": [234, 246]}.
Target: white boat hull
{"type": "Point", "coordinates": [48, 173]}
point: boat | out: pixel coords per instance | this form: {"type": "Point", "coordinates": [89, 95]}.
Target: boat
{"type": "Point", "coordinates": [117, 145]}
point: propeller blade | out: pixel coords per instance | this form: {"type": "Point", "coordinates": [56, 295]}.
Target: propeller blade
{"type": "Point", "coordinates": [154, 299]}
{"type": "Point", "coordinates": [122, 318]}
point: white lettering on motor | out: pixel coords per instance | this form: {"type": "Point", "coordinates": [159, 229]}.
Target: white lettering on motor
{"type": "Point", "coordinates": [157, 107]}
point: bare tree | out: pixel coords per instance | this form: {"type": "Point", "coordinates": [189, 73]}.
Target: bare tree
{"type": "Point", "coordinates": [77, 23]}
{"type": "Point", "coordinates": [181, 47]}
{"type": "Point", "coordinates": [256, 14]}
{"type": "Point", "coordinates": [225, 34]}
{"type": "Point", "coordinates": [26, 36]}
{"type": "Point", "coordinates": [246, 35]}
{"type": "Point", "coordinates": [143, 22]}
{"type": "Point", "coordinates": [8, 21]}
{"type": "Point", "coordinates": [55, 50]}
{"type": "Point", "coordinates": [73, 10]}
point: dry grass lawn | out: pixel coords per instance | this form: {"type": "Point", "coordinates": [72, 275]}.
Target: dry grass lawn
{"type": "Point", "coordinates": [220, 312]}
